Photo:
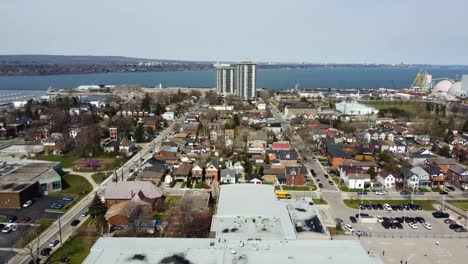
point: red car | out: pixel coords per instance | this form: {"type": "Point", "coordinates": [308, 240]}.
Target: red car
{"type": "Point", "coordinates": [25, 219]}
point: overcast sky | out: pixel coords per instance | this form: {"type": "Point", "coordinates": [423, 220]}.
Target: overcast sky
{"type": "Point", "coordinates": [325, 31]}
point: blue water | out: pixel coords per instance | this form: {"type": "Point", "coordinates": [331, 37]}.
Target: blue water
{"type": "Point", "coordinates": [276, 79]}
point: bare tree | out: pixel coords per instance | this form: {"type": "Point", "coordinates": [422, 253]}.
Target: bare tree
{"type": "Point", "coordinates": [32, 249]}
{"type": "Point", "coordinates": [88, 141]}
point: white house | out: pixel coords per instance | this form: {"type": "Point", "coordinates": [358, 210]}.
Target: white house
{"type": "Point", "coordinates": [74, 132]}
{"type": "Point", "coordinates": [419, 178]}
{"type": "Point", "coordinates": [358, 180]}
{"type": "Point", "coordinates": [169, 116]}
{"type": "Point", "coordinates": [386, 179]}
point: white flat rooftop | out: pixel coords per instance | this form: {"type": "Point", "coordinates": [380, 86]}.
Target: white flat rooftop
{"type": "Point", "coordinates": [163, 250]}
{"type": "Point", "coordinates": [251, 211]}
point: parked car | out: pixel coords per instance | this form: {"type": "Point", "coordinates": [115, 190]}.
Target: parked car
{"type": "Point", "coordinates": [427, 226]}
{"type": "Point", "coordinates": [405, 192]}
{"type": "Point", "coordinates": [453, 226]}
{"type": "Point", "coordinates": [413, 225]}
{"type": "Point", "coordinates": [419, 193]}
{"type": "Point", "coordinates": [388, 207]}
{"type": "Point", "coordinates": [11, 219]}
{"type": "Point", "coordinates": [440, 214]}
{"type": "Point", "coordinates": [7, 228]}
{"type": "Point", "coordinates": [353, 219]}
{"type": "Point", "coordinates": [320, 185]}
{"type": "Point", "coordinates": [46, 252]}
{"type": "Point", "coordinates": [56, 206]}
{"type": "Point", "coordinates": [349, 228]}
{"type": "Point", "coordinates": [67, 199]}
{"type": "Point", "coordinates": [451, 188]}
{"type": "Point", "coordinates": [420, 219]}
{"type": "Point", "coordinates": [53, 243]}
{"type": "Point", "coordinates": [459, 229]}
{"type": "Point", "coordinates": [375, 207]}
{"type": "Point", "coordinates": [386, 225]}
{"type": "Point", "coordinates": [443, 192]}
{"type": "Point", "coordinates": [338, 220]}
{"type": "Point", "coordinates": [27, 203]}
{"type": "Point", "coordinates": [449, 221]}
{"type": "Point", "coordinates": [380, 193]}
{"type": "Point", "coordinates": [326, 176]}
{"type": "Point", "coordinates": [368, 207]}
{"type": "Point", "coordinates": [84, 214]}
{"type": "Point", "coordinates": [399, 225]}
{"type": "Point", "coordinates": [379, 219]}
{"type": "Point", "coordinates": [75, 222]}
{"type": "Point", "coordinates": [362, 192]}
{"type": "Point", "coordinates": [380, 206]}
{"type": "Point", "coordinates": [330, 182]}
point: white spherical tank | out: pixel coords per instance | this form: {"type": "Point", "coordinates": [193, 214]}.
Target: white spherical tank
{"type": "Point", "coordinates": [457, 86]}
{"type": "Point", "coordinates": [442, 86]}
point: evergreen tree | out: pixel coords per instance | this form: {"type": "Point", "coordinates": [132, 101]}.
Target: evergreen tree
{"type": "Point", "coordinates": [266, 160]}
{"type": "Point", "coordinates": [139, 133]}
{"type": "Point", "coordinates": [145, 103]}
{"type": "Point", "coordinates": [372, 172]}
{"type": "Point", "coordinates": [97, 207]}
{"type": "Point", "coordinates": [260, 171]}
{"type": "Point", "coordinates": [465, 126]}
{"type": "Point", "coordinates": [445, 151]}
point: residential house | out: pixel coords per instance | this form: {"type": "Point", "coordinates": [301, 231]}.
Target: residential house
{"type": "Point", "coordinates": [113, 133]}
{"type": "Point", "coordinates": [211, 171]}
{"type": "Point", "coordinates": [288, 158]}
{"type": "Point", "coordinates": [74, 132]}
{"type": "Point", "coordinates": [423, 139]}
{"type": "Point", "coordinates": [55, 146]}
{"type": "Point", "coordinates": [169, 158]}
{"type": "Point", "coordinates": [419, 177]}
{"type": "Point", "coordinates": [275, 175]}
{"type": "Point", "coordinates": [121, 191]}
{"type": "Point", "coordinates": [229, 176]}
{"type": "Point", "coordinates": [458, 177]}
{"type": "Point", "coordinates": [282, 145]}
{"type": "Point", "coordinates": [437, 176]}
{"type": "Point", "coordinates": [419, 158]}
{"type": "Point", "coordinates": [110, 146]}
{"type": "Point", "coordinates": [295, 175]}
{"type": "Point", "coordinates": [386, 179]}
{"type": "Point", "coordinates": [127, 147]}
{"type": "Point", "coordinates": [358, 180]}
{"type": "Point", "coordinates": [335, 155]}
{"type": "Point", "coordinates": [257, 142]}
{"type": "Point", "coordinates": [183, 172]}
{"type": "Point", "coordinates": [255, 179]}
{"type": "Point", "coordinates": [275, 127]}
{"type": "Point", "coordinates": [197, 172]}
{"type": "Point", "coordinates": [154, 171]}
{"type": "Point", "coordinates": [444, 164]}
{"type": "Point", "coordinates": [168, 116]}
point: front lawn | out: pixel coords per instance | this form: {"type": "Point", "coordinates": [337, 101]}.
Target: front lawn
{"type": "Point", "coordinates": [462, 204]}
{"type": "Point", "coordinates": [425, 204]}
{"type": "Point", "coordinates": [345, 188]}
{"type": "Point", "coordinates": [67, 160]}
{"type": "Point", "coordinates": [295, 188]}
{"type": "Point", "coordinates": [100, 177]}
{"type": "Point", "coordinates": [77, 247]}
{"type": "Point", "coordinates": [74, 185]}
{"type": "Point", "coordinates": [334, 231]}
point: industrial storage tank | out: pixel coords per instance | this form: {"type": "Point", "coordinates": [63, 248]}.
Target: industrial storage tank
{"type": "Point", "coordinates": [442, 86]}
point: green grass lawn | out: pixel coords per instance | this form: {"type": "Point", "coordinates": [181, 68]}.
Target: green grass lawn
{"type": "Point", "coordinates": [67, 160]}
{"type": "Point", "coordinates": [408, 106]}
{"type": "Point", "coordinates": [319, 201]}
{"type": "Point", "coordinates": [462, 204]}
{"type": "Point", "coordinates": [426, 204]}
{"type": "Point", "coordinates": [436, 189]}
{"type": "Point", "coordinates": [312, 185]}
{"type": "Point", "coordinates": [295, 188]}
{"type": "Point", "coordinates": [100, 177]}
{"type": "Point", "coordinates": [77, 247]}
{"type": "Point", "coordinates": [44, 223]}
{"type": "Point", "coordinates": [2, 218]}
{"type": "Point", "coordinates": [345, 188]}
{"type": "Point", "coordinates": [73, 185]}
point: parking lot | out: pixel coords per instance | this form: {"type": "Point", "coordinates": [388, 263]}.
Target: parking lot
{"type": "Point", "coordinates": [438, 225]}
{"type": "Point", "coordinates": [36, 211]}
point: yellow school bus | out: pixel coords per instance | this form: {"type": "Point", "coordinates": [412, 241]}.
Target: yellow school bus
{"type": "Point", "coordinates": [283, 195]}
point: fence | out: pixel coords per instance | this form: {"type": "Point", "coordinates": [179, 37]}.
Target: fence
{"type": "Point", "coordinates": [453, 235]}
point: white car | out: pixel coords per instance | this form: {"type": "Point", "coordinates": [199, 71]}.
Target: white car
{"type": "Point", "coordinates": [387, 207]}
{"type": "Point", "coordinates": [349, 228]}
{"type": "Point", "coordinates": [53, 243]}
{"type": "Point", "coordinates": [379, 219]}
{"type": "Point", "coordinates": [413, 225]}
{"type": "Point", "coordinates": [427, 225]}
{"type": "Point", "coordinates": [8, 228]}
{"type": "Point", "coordinates": [380, 193]}
{"type": "Point", "coordinates": [27, 203]}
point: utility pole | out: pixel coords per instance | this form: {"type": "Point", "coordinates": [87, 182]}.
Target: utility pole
{"type": "Point", "coordinates": [60, 231]}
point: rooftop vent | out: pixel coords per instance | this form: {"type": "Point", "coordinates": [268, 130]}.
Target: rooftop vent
{"type": "Point", "coordinates": [138, 257]}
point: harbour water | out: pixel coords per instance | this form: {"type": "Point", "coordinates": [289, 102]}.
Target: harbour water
{"type": "Point", "coordinates": [357, 77]}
